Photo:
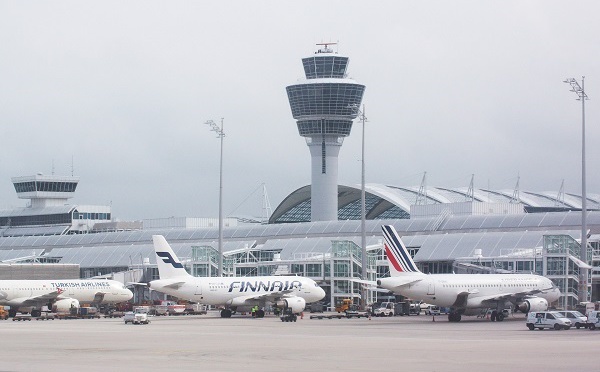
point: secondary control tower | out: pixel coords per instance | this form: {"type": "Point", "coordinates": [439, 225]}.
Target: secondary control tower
{"type": "Point", "coordinates": [324, 105]}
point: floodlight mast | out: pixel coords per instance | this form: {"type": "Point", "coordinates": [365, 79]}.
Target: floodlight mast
{"type": "Point", "coordinates": [220, 134]}
{"type": "Point", "coordinates": [363, 214]}
{"type": "Point", "coordinates": [582, 96]}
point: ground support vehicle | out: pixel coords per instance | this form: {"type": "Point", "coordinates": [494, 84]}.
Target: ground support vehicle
{"type": "Point", "coordinates": [114, 314]}
{"type": "Point", "coordinates": [136, 318]}
{"type": "Point", "coordinates": [46, 315]}
{"type": "Point", "coordinates": [288, 316]}
{"type": "Point", "coordinates": [161, 310]}
{"type": "Point", "coordinates": [385, 309]}
{"type": "Point", "coordinates": [414, 309]}
{"type": "Point", "coordinates": [433, 310]}
{"type": "Point", "coordinates": [593, 320]}
{"type": "Point", "coordinates": [577, 319]}
{"type": "Point", "coordinates": [88, 313]}
{"type": "Point", "coordinates": [344, 305]}
{"type": "Point", "coordinates": [355, 312]}
{"type": "Point", "coordinates": [547, 319]}
{"type": "Point", "coordinates": [195, 309]}
{"type": "Point", "coordinates": [328, 316]}
{"type": "Point", "coordinates": [19, 316]}
{"type": "Point", "coordinates": [3, 313]}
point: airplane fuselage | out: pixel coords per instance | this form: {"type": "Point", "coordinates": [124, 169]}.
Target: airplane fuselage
{"type": "Point", "coordinates": [15, 292]}
{"type": "Point", "coordinates": [236, 291]}
{"type": "Point", "coordinates": [445, 289]}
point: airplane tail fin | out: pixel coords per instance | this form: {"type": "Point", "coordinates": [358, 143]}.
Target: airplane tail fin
{"type": "Point", "coordinates": [399, 260]}
{"type": "Point", "coordinates": [169, 265]}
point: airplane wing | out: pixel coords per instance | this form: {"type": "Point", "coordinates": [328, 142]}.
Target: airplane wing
{"type": "Point", "coordinates": [175, 285]}
{"type": "Point", "coordinates": [33, 301]}
{"type": "Point", "coordinates": [370, 283]}
{"type": "Point", "coordinates": [513, 296]}
{"type": "Point", "coordinates": [272, 297]}
{"type": "Point", "coordinates": [394, 282]}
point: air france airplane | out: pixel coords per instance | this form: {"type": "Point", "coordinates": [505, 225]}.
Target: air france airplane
{"type": "Point", "coordinates": [60, 295]}
{"type": "Point", "coordinates": [463, 293]}
{"type": "Point", "coordinates": [234, 293]}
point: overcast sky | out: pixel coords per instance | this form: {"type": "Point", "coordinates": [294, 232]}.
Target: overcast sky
{"type": "Point", "coordinates": [454, 88]}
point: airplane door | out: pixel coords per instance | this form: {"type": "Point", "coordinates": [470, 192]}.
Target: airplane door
{"type": "Point", "coordinates": [198, 290]}
{"type": "Point", "coordinates": [431, 288]}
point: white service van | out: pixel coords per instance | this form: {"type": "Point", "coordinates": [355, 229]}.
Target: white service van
{"type": "Point", "coordinates": [577, 319]}
{"type": "Point", "coordinates": [547, 319]}
{"type": "Point", "coordinates": [593, 320]}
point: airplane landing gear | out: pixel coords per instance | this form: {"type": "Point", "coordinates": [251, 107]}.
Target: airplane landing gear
{"type": "Point", "coordinates": [496, 316]}
{"type": "Point", "coordinates": [225, 313]}
{"type": "Point", "coordinates": [454, 317]}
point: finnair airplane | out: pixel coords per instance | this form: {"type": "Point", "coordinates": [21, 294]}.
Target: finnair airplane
{"type": "Point", "coordinates": [463, 293]}
{"type": "Point", "coordinates": [234, 293]}
{"type": "Point", "coordinates": [59, 295]}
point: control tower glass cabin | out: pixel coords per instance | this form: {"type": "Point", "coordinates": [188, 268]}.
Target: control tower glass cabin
{"type": "Point", "coordinates": [324, 105]}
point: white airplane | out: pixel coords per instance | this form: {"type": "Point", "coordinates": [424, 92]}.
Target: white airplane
{"type": "Point", "coordinates": [234, 293]}
{"type": "Point", "coordinates": [463, 293]}
{"type": "Point", "coordinates": [59, 295]}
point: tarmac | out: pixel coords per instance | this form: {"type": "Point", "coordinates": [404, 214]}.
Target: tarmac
{"type": "Point", "coordinates": [210, 343]}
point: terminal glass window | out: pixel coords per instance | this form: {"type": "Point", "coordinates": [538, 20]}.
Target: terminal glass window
{"type": "Point", "coordinates": [356, 270]}
{"type": "Point", "coordinates": [341, 286]}
{"type": "Point", "coordinates": [313, 270]}
{"type": "Point", "coordinates": [341, 268]}
{"type": "Point", "coordinates": [265, 270]}
{"type": "Point", "coordinates": [298, 269]}
{"type": "Point", "coordinates": [245, 271]}
{"type": "Point", "coordinates": [556, 266]}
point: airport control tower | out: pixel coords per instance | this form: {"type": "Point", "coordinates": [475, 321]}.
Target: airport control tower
{"type": "Point", "coordinates": [324, 105]}
{"type": "Point", "coordinates": [45, 190]}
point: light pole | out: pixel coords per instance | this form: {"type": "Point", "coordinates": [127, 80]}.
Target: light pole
{"type": "Point", "coordinates": [363, 217]}
{"type": "Point", "coordinates": [220, 134]}
{"type": "Point", "coordinates": [581, 96]}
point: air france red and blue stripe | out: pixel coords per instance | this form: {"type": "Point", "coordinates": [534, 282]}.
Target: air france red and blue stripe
{"type": "Point", "coordinates": [396, 252]}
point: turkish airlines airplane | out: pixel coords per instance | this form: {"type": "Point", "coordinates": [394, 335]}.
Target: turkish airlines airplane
{"type": "Point", "coordinates": [234, 293]}
{"type": "Point", "coordinates": [464, 293]}
{"type": "Point", "coordinates": [59, 295]}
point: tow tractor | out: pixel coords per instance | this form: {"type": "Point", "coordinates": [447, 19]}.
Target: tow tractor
{"type": "Point", "coordinates": [288, 316]}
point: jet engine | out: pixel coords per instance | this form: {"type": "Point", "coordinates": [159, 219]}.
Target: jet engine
{"type": "Point", "coordinates": [65, 305]}
{"type": "Point", "coordinates": [296, 304]}
{"type": "Point", "coordinates": [533, 304]}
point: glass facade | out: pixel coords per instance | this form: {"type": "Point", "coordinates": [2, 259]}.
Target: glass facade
{"type": "Point", "coordinates": [335, 99]}
{"type": "Point", "coordinates": [334, 127]}
{"type": "Point", "coordinates": [352, 211]}
{"type": "Point", "coordinates": [299, 213]}
{"type": "Point", "coordinates": [325, 66]}
{"type": "Point", "coordinates": [32, 186]}
{"type": "Point", "coordinates": [90, 216]}
{"type": "Point", "coordinates": [45, 219]}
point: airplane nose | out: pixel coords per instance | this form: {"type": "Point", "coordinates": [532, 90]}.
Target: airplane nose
{"type": "Point", "coordinates": [321, 293]}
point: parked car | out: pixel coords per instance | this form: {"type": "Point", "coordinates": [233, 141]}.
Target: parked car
{"type": "Point", "coordinates": [547, 319]}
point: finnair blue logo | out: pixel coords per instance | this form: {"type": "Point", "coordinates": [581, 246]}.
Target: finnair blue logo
{"type": "Point", "coordinates": [168, 259]}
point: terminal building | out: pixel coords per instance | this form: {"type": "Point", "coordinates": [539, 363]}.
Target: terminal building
{"type": "Point", "coordinates": [316, 230]}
